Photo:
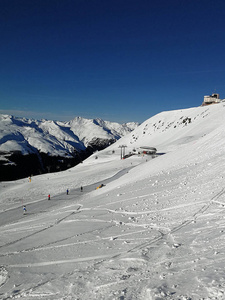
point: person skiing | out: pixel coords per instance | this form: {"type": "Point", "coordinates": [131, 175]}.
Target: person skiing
{"type": "Point", "coordinates": [81, 189]}
{"type": "Point", "coordinates": [67, 191]}
{"type": "Point", "coordinates": [24, 209]}
{"type": "Point", "coordinates": [49, 197]}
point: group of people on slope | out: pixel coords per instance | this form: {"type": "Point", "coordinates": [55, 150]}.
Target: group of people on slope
{"type": "Point", "coordinates": [67, 192]}
{"type": "Point", "coordinates": [49, 198]}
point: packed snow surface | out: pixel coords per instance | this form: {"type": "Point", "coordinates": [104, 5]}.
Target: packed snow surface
{"type": "Point", "coordinates": [154, 230]}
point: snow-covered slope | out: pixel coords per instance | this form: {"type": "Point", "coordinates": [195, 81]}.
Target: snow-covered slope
{"type": "Point", "coordinates": [169, 130]}
{"type": "Point", "coordinates": [54, 137]}
{"type": "Point", "coordinates": [154, 231]}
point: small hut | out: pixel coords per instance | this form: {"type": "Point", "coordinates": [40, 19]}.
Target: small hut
{"type": "Point", "coordinates": [148, 150]}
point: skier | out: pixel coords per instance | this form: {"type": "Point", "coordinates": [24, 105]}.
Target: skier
{"type": "Point", "coordinates": [24, 209]}
{"type": "Point", "coordinates": [67, 191]}
{"type": "Point", "coordinates": [49, 197]}
{"type": "Point", "coordinates": [81, 189]}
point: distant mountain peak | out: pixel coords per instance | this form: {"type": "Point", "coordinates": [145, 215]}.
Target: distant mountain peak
{"type": "Point", "coordinates": [56, 139]}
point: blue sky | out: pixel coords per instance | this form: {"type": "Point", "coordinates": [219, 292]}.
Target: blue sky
{"type": "Point", "coordinates": [119, 60]}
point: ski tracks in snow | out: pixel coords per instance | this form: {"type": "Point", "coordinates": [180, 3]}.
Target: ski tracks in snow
{"type": "Point", "coordinates": [37, 232]}
{"type": "Point", "coordinates": [136, 248]}
{"type": "Point", "coordinates": [120, 255]}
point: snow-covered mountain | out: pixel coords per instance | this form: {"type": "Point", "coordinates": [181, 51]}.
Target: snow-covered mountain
{"type": "Point", "coordinates": [70, 141]}
{"type": "Point", "coordinates": [55, 137]}
{"type": "Point", "coordinates": [155, 230]}
{"type": "Point", "coordinates": [87, 129]}
{"type": "Point", "coordinates": [169, 130]}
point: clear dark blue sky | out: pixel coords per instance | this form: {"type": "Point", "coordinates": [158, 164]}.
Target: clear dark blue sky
{"type": "Point", "coordinates": [119, 60]}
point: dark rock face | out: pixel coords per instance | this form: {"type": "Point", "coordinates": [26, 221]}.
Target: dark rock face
{"type": "Point", "coordinates": [98, 144]}
{"type": "Point", "coordinates": [22, 166]}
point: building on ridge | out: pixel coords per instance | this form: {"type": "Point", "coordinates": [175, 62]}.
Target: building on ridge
{"type": "Point", "coordinates": [212, 99]}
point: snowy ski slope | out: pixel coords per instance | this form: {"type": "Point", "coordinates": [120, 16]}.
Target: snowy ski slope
{"type": "Point", "coordinates": [155, 230]}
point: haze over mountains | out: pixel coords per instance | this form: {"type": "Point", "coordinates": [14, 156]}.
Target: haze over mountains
{"type": "Point", "coordinates": [34, 147]}
{"type": "Point", "coordinates": [155, 230]}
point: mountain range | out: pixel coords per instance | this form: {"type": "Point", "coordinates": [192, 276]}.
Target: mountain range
{"type": "Point", "coordinates": [30, 147]}
{"type": "Point", "coordinates": [33, 147]}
